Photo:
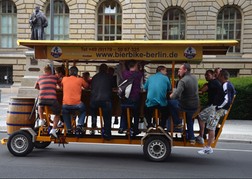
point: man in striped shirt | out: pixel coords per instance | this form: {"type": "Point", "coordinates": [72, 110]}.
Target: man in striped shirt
{"type": "Point", "coordinates": [46, 84]}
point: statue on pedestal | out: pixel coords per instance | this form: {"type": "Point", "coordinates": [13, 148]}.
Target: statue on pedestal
{"type": "Point", "coordinates": [38, 22]}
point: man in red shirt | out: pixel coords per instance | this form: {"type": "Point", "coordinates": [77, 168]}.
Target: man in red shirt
{"type": "Point", "coordinates": [46, 84]}
{"type": "Point", "coordinates": [72, 90]}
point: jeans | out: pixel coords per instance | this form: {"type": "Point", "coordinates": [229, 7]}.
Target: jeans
{"type": "Point", "coordinates": [134, 106]}
{"type": "Point", "coordinates": [106, 111]}
{"type": "Point", "coordinates": [149, 114]}
{"type": "Point", "coordinates": [67, 110]}
{"type": "Point", "coordinates": [174, 108]}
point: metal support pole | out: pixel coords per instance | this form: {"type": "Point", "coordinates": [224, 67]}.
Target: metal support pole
{"type": "Point", "coordinates": [52, 27]}
{"type": "Point", "coordinates": [52, 19]}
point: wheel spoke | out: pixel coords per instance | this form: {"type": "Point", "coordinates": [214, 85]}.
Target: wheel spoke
{"type": "Point", "coordinates": [19, 144]}
{"type": "Point", "coordinates": [157, 149]}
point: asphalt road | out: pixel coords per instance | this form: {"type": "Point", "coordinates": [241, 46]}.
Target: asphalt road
{"type": "Point", "coordinates": [229, 160]}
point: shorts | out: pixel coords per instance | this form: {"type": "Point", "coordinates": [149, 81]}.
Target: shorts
{"type": "Point", "coordinates": [211, 117]}
{"type": "Point", "coordinates": [53, 104]}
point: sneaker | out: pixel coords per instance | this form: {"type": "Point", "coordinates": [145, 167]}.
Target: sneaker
{"type": "Point", "coordinates": [60, 124]}
{"type": "Point", "coordinates": [80, 130]}
{"type": "Point", "coordinates": [206, 150]}
{"type": "Point", "coordinates": [39, 122]}
{"type": "Point", "coordinates": [92, 132]}
{"type": "Point", "coordinates": [121, 131]}
{"type": "Point", "coordinates": [106, 137]}
{"type": "Point", "coordinates": [69, 133]}
{"type": "Point", "coordinates": [200, 140]}
{"type": "Point", "coordinates": [53, 133]}
{"type": "Point", "coordinates": [178, 126]}
{"type": "Point", "coordinates": [136, 132]}
{"type": "Point", "coordinates": [192, 141]}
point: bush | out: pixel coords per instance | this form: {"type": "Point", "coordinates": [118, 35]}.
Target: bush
{"type": "Point", "coordinates": [243, 102]}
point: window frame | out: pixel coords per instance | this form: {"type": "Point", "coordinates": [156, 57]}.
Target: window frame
{"type": "Point", "coordinates": [11, 29]}
{"type": "Point", "coordinates": [105, 22]}
{"type": "Point", "coordinates": [231, 25]}
{"type": "Point", "coordinates": [179, 24]}
{"type": "Point", "coordinates": [65, 22]}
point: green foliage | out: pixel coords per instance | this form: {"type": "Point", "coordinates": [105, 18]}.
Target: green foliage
{"type": "Point", "coordinates": [243, 103]}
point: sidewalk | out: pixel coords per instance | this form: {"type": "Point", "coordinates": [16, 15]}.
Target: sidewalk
{"type": "Point", "coordinates": [233, 130]}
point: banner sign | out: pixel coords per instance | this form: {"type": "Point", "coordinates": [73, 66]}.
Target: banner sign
{"type": "Point", "coordinates": [125, 53]}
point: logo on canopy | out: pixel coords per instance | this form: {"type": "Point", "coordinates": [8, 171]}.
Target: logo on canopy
{"type": "Point", "coordinates": [190, 52]}
{"type": "Point", "coordinates": [56, 52]}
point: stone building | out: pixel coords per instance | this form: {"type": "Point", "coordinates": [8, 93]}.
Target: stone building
{"type": "Point", "coordinates": [128, 20]}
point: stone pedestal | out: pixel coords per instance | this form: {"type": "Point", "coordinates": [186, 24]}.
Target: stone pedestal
{"type": "Point", "coordinates": [33, 69]}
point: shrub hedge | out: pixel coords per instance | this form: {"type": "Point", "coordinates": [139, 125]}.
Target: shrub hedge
{"type": "Point", "coordinates": [242, 108]}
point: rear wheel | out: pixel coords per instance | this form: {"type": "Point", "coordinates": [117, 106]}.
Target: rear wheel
{"type": "Point", "coordinates": [156, 148]}
{"type": "Point", "coordinates": [20, 143]}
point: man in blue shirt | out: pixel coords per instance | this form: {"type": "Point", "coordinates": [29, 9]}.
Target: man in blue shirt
{"type": "Point", "coordinates": [157, 87]}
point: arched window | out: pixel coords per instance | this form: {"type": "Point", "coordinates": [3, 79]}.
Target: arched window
{"type": "Point", "coordinates": [229, 22]}
{"type": "Point", "coordinates": [173, 24]}
{"type": "Point", "coordinates": [8, 24]}
{"type": "Point", "coordinates": [109, 21]}
{"type": "Point", "coordinates": [61, 20]}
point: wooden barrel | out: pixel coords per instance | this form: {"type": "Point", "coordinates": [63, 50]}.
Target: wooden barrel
{"type": "Point", "coordinates": [18, 114]}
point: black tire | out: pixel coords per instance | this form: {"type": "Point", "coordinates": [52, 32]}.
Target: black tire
{"type": "Point", "coordinates": [157, 148]}
{"type": "Point", "coordinates": [20, 143]}
{"type": "Point", "coordinates": [41, 145]}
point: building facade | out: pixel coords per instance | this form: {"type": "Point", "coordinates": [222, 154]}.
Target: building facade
{"type": "Point", "coordinates": [130, 20]}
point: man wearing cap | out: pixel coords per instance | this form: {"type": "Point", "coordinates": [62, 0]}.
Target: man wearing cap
{"type": "Point", "coordinates": [72, 90]}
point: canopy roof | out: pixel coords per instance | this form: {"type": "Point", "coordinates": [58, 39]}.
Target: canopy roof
{"type": "Point", "coordinates": [114, 51]}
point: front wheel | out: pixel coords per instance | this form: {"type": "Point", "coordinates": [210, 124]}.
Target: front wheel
{"type": "Point", "coordinates": [20, 143]}
{"type": "Point", "coordinates": [157, 148]}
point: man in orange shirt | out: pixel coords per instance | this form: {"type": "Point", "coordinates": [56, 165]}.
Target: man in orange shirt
{"type": "Point", "coordinates": [72, 90]}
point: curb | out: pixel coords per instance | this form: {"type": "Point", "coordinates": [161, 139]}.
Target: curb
{"type": "Point", "coordinates": [235, 141]}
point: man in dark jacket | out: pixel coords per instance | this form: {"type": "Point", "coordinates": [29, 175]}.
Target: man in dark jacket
{"type": "Point", "coordinates": [101, 96]}
{"type": "Point", "coordinates": [185, 98]}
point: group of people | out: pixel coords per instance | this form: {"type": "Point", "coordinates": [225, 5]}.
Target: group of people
{"type": "Point", "coordinates": [185, 98]}
{"type": "Point", "coordinates": [220, 95]}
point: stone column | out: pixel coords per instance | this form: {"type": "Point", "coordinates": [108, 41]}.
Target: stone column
{"type": "Point", "coordinates": [33, 69]}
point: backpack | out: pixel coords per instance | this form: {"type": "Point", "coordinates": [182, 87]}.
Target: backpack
{"type": "Point", "coordinates": [124, 88]}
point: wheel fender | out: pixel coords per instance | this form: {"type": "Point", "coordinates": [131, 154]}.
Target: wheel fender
{"type": "Point", "coordinates": [31, 131]}
{"type": "Point", "coordinates": [156, 131]}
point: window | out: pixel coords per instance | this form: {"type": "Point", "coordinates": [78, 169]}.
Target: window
{"type": "Point", "coordinates": [229, 26]}
{"type": "Point", "coordinates": [109, 21]}
{"type": "Point", "coordinates": [61, 20]}
{"type": "Point", "coordinates": [233, 72]}
{"type": "Point", "coordinates": [6, 74]}
{"type": "Point", "coordinates": [8, 24]}
{"type": "Point", "coordinates": [173, 25]}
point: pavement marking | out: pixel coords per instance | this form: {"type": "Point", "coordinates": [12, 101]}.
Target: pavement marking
{"type": "Point", "coordinates": [234, 150]}
{"type": "Point", "coordinates": [216, 149]}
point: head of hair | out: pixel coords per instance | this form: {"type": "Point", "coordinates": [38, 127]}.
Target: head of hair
{"type": "Point", "coordinates": [60, 69]}
{"type": "Point", "coordinates": [111, 70]}
{"type": "Point", "coordinates": [187, 66]}
{"type": "Point", "coordinates": [131, 63]}
{"type": "Point", "coordinates": [159, 68]}
{"type": "Point", "coordinates": [210, 72]}
{"type": "Point", "coordinates": [103, 68]}
{"type": "Point", "coordinates": [47, 69]}
{"type": "Point", "coordinates": [225, 74]}
{"type": "Point", "coordinates": [73, 71]}
{"type": "Point", "coordinates": [86, 74]}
